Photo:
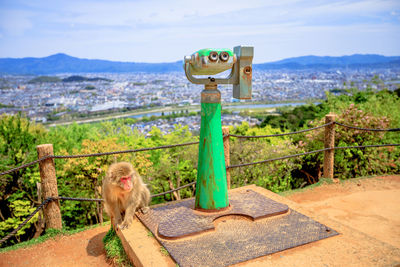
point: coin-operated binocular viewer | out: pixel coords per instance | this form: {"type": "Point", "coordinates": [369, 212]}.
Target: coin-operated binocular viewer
{"type": "Point", "coordinates": [211, 186]}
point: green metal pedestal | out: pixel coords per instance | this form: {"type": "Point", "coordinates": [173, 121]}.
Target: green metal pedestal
{"type": "Point", "coordinates": [211, 187]}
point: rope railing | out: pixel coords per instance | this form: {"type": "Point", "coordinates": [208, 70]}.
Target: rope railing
{"type": "Point", "coordinates": [13, 232]}
{"type": "Point", "coordinates": [307, 153]}
{"type": "Point", "coordinates": [186, 144]}
{"type": "Point", "coordinates": [94, 155]}
{"type": "Point", "coordinates": [123, 151]}
{"type": "Point", "coordinates": [367, 129]}
{"type": "Point", "coordinates": [173, 190]}
{"type": "Point", "coordinates": [315, 128]}
{"type": "Point", "coordinates": [283, 134]}
{"type": "Point", "coordinates": [50, 199]}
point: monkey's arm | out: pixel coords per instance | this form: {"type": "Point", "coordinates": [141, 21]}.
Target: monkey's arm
{"type": "Point", "coordinates": [111, 204]}
{"type": "Point", "coordinates": [116, 213]}
{"type": "Point", "coordinates": [145, 200]}
{"type": "Point", "coordinates": [129, 213]}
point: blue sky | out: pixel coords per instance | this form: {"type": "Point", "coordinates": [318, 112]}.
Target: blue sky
{"type": "Point", "coordinates": [165, 31]}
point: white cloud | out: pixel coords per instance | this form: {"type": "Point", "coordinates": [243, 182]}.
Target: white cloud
{"type": "Point", "coordinates": [157, 30]}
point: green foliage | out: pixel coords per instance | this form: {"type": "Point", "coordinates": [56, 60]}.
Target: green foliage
{"type": "Point", "coordinates": [20, 209]}
{"type": "Point", "coordinates": [5, 106]}
{"type": "Point", "coordinates": [355, 162]}
{"type": "Point", "coordinates": [382, 103]}
{"type": "Point", "coordinates": [172, 167]}
{"type": "Point", "coordinates": [368, 109]}
{"type": "Point", "coordinates": [275, 175]}
{"type": "Point", "coordinates": [90, 87]}
{"type": "Point", "coordinates": [70, 137]}
{"type": "Point", "coordinates": [114, 249]}
{"type": "Point", "coordinates": [18, 139]}
{"type": "Point", "coordinates": [292, 119]}
{"type": "Point", "coordinates": [77, 78]}
{"type": "Point", "coordinates": [45, 79]}
{"type": "Point", "coordinates": [166, 169]}
{"type": "Point", "coordinates": [164, 251]}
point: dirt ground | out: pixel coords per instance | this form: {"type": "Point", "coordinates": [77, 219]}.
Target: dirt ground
{"type": "Point", "coordinates": [370, 205]}
{"type": "Point", "coordinates": [81, 249]}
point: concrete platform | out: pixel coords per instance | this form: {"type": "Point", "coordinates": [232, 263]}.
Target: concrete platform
{"type": "Point", "coordinates": [351, 248]}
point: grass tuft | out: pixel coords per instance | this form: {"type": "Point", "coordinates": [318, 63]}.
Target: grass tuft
{"type": "Point", "coordinates": [164, 251]}
{"type": "Point", "coordinates": [114, 250]}
{"type": "Point", "coordinates": [150, 234]}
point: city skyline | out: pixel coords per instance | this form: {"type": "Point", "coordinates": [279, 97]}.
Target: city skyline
{"type": "Point", "coordinates": [164, 31]}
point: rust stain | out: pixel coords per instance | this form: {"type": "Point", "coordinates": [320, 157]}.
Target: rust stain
{"type": "Point", "coordinates": [212, 203]}
{"type": "Point", "coordinates": [247, 75]}
{"type": "Point", "coordinates": [198, 191]}
{"type": "Point", "coordinates": [247, 78]}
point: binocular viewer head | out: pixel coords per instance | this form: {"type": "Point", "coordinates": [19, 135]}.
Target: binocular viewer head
{"type": "Point", "coordinates": [213, 61]}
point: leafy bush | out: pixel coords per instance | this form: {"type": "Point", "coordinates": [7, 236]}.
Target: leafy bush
{"type": "Point", "coordinates": [20, 209]}
{"type": "Point", "coordinates": [275, 175]}
{"type": "Point", "coordinates": [354, 162]}
{"type": "Point", "coordinates": [293, 119]}
{"type": "Point", "coordinates": [173, 167]}
{"type": "Point", "coordinates": [18, 138]}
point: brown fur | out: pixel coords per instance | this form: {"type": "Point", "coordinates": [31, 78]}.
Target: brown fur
{"type": "Point", "coordinates": [117, 200]}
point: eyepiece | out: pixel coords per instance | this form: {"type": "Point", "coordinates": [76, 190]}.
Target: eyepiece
{"type": "Point", "coordinates": [224, 56]}
{"type": "Point", "coordinates": [213, 56]}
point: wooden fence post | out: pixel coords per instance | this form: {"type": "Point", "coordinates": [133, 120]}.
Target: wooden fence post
{"type": "Point", "coordinates": [225, 133]}
{"type": "Point", "coordinates": [52, 214]}
{"type": "Point", "coordinates": [329, 142]}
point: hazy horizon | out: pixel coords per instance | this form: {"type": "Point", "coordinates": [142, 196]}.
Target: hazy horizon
{"type": "Point", "coordinates": [182, 59]}
{"type": "Point", "coordinates": [165, 31]}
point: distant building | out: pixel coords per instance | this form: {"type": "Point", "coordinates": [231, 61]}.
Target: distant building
{"type": "Point", "coordinates": [109, 105]}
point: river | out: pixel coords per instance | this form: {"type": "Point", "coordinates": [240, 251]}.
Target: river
{"type": "Point", "coordinates": [250, 106]}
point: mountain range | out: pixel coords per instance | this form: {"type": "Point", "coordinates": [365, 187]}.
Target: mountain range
{"type": "Point", "coordinates": [62, 63]}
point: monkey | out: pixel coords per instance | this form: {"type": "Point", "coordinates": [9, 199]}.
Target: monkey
{"type": "Point", "coordinates": [124, 192]}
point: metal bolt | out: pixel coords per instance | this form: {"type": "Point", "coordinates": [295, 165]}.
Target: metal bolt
{"type": "Point", "coordinates": [247, 70]}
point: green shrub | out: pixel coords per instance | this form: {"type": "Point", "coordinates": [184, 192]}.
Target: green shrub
{"type": "Point", "coordinates": [276, 175]}
{"type": "Point", "coordinates": [354, 162]}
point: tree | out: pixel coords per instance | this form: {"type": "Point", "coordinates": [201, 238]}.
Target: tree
{"type": "Point", "coordinates": [18, 139]}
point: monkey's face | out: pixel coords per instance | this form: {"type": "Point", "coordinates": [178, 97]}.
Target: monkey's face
{"type": "Point", "coordinates": [126, 182]}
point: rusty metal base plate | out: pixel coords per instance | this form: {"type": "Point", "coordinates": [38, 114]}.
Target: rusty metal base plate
{"type": "Point", "coordinates": [252, 227]}
{"type": "Point", "coordinates": [179, 220]}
